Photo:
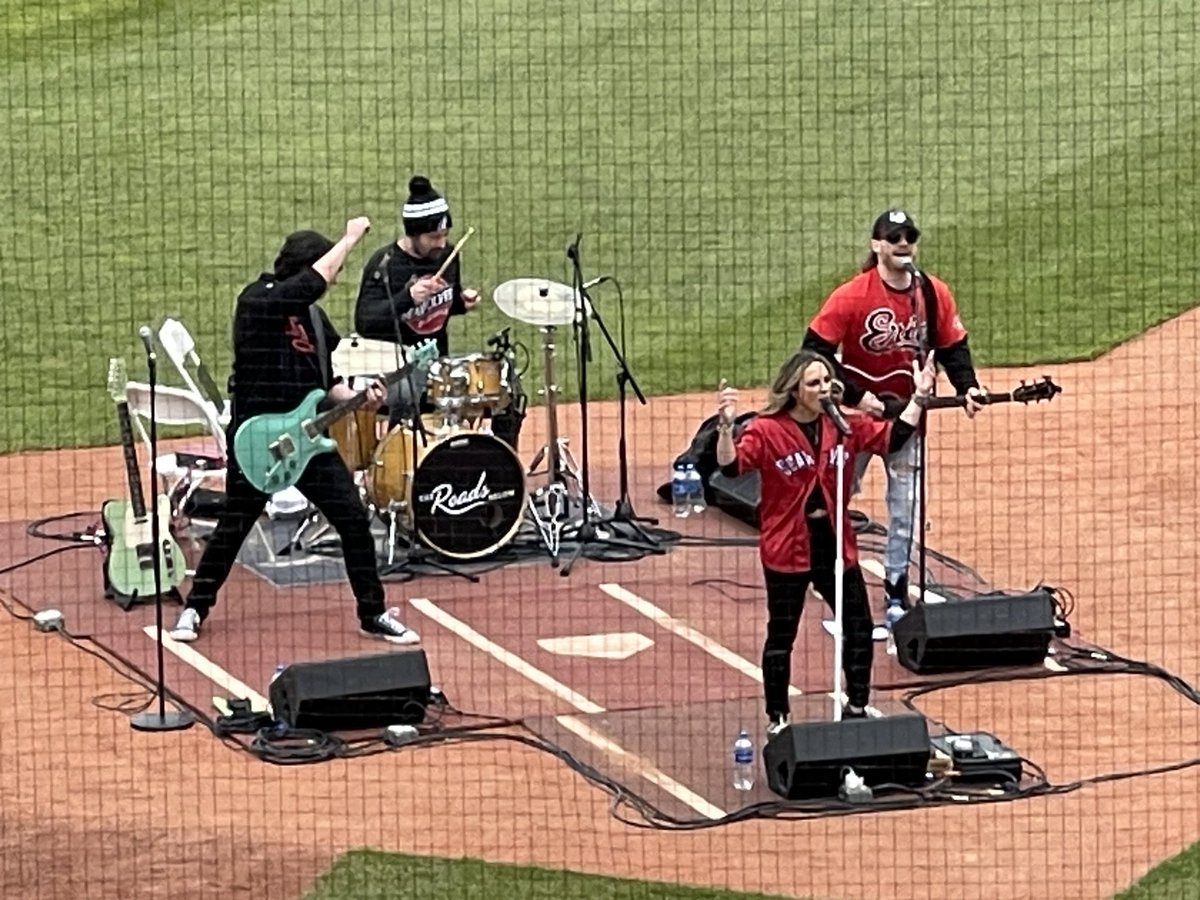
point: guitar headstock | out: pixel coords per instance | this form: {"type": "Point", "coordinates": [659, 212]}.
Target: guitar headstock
{"type": "Point", "coordinates": [1036, 392]}
{"type": "Point", "coordinates": [118, 376]}
{"type": "Point", "coordinates": [426, 351]}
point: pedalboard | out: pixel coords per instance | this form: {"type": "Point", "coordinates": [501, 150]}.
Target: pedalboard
{"type": "Point", "coordinates": [979, 757]}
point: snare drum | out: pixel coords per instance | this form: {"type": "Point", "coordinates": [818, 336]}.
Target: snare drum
{"type": "Point", "coordinates": [470, 385]}
{"type": "Point", "coordinates": [357, 436]}
{"type": "Point", "coordinates": [466, 498]}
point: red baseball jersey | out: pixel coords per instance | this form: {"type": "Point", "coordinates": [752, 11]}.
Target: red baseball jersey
{"type": "Point", "coordinates": [789, 469]}
{"type": "Point", "coordinates": [879, 329]}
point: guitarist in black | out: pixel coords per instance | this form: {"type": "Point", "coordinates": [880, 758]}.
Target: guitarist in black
{"type": "Point", "coordinates": [282, 342]}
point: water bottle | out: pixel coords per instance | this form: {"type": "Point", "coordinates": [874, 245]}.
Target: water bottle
{"type": "Point", "coordinates": [680, 487]}
{"type": "Point", "coordinates": [743, 762]}
{"type": "Point", "coordinates": [696, 490]}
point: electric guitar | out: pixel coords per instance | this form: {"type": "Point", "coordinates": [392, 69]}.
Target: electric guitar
{"type": "Point", "coordinates": [1045, 389]}
{"type": "Point", "coordinates": [274, 449]}
{"type": "Point", "coordinates": [129, 567]}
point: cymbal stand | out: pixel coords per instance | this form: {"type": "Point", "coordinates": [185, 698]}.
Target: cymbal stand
{"type": "Point", "coordinates": [551, 519]}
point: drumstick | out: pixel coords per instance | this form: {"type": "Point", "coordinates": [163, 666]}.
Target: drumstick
{"type": "Point", "coordinates": [454, 252]}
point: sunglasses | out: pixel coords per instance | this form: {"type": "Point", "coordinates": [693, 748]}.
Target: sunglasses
{"type": "Point", "coordinates": [895, 237]}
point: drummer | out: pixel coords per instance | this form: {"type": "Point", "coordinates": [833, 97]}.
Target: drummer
{"type": "Point", "coordinates": [401, 299]}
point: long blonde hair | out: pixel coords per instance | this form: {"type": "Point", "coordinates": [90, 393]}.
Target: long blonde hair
{"type": "Point", "coordinates": [781, 396]}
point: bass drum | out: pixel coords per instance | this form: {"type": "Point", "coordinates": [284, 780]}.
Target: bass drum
{"type": "Point", "coordinates": [468, 495]}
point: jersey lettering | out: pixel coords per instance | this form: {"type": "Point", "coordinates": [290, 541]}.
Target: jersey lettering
{"type": "Point", "coordinates": [883, 332]}
{"type": "Point", "coordinates": [299, 335]}
{"type": "Point", "coordinates": [794, 462]}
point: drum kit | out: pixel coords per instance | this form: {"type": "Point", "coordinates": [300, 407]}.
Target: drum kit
{"type": "Point", "coordinates": [440, 478]}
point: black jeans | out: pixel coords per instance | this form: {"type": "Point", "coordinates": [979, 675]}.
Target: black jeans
{"type": "Point", "coordinates": [785, 603]}
{"type": "Point", "coordinates": [328, 485]}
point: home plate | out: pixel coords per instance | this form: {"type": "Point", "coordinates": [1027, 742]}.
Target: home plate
{"type": "Point", "coordinates": [616, 645]}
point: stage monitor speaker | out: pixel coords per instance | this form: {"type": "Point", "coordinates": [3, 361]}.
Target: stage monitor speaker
{"type": "Point", "coordinates": [807, 760]}
{"type": "Point", "coordinates": [349, 694]}
{"type": "Point", "coordinates": [736, 496]}
{"type": "Point", "coordinates": [977, 633]}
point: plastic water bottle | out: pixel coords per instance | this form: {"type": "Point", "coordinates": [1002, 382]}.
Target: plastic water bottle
{"type": "Point", "coordinates": [695, 490]}
{"type": "Point", "coordinates": [743, 762]}
{"type": "Point", "coordinates": [680, 488]}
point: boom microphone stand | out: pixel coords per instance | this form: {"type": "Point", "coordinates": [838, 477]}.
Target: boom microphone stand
{"type": "Point", "coordinates": [623, 511]}
{"type": "Point", "coordinates": [162, 720]}
{"type": "Point", "coordinates": [587, 533]}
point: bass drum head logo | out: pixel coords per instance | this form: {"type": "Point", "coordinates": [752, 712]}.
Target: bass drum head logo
{"type": "Point", "coordinates": [469, 496]}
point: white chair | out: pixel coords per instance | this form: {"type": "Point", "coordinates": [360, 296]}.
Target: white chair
{"type": "Point", "coordinates": [178, 407]}
{"type": "Point", "coordinates": [180, 348]}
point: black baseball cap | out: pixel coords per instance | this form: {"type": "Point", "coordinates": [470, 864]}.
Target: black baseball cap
{"type": "Point", "coordinates": [891, 221]}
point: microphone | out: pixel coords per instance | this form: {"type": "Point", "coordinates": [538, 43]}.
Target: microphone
{"type": "Point", "coordinates": [147, 339]}
{"type": "Point", "coordinates": [595, 281]}
{"type": "Point", "coordinates": [500, 337]}
{"type": "Point", "coordinates": [907, 262]}
{"type": "Point", "coordinates": [573, 248]}
{"type": "Point", "coordinates": [834, 413]}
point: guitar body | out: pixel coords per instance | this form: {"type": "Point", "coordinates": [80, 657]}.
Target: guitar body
{"type": "Point", "coordinates": [274, 449]}
{"type": "Point", "coordinates": [130, 564]}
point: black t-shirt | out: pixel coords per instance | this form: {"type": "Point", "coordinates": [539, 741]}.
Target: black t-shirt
{"type": "Point", "coordinates": [275, 363]}
{"type": "Point", "coordinates": [385, 306]}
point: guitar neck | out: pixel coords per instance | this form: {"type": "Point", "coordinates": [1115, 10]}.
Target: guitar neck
{"type": "Point", "coordinates": [323, 421]}
{"type": "Point", "coordinates": [951, 402]}
{"type": "Point", "coordinates": [137, 501]}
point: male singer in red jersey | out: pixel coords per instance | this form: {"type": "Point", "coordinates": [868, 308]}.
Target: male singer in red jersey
{"type": "Point", "coordinates": [881, 322]}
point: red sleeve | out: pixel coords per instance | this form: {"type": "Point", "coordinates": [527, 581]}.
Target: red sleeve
{"type": "Point", "coordinates": [832, 322]}
{"type": "Point", "coordinates": [949, 323]}
{"type": "Point", "coordinates": [870, 435]}
{"type": "Point", "coordinates": [749, 448]}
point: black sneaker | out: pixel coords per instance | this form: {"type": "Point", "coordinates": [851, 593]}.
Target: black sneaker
{"type": "Point", "coordinates": [387, 627]}
{"type": "Point", "coordinates": [854, 712]}
{"type": "Point", "coordinates": [897, 592]}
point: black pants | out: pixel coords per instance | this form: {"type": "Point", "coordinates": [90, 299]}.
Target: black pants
{"type": "Point", "coordinates": [328, 485]}
{"type": "Point", "coordinates": [785, 603]}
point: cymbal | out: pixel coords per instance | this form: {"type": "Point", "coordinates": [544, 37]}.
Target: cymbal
{"type": "Point", "coordinates": [536, 301]}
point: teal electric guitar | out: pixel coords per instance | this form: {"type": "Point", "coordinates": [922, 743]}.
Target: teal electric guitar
{"type": "Point", "coordinates": [274, 449]}
{"type": "Point", "coordinates": [129, 568]}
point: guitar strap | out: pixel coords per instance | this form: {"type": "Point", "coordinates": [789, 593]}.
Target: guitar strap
{"type": "Point", "coordinates": [930, 309]}
{"type": "Point", "coordinates": [319, 336]}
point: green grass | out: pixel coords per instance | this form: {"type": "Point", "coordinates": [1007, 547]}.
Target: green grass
{"type": "Point", "coordinates": [1178, 878]}
{"type": "Point", "coordinates": [371, 875]}
{"type": "Point", "coordinates": [722, 162]}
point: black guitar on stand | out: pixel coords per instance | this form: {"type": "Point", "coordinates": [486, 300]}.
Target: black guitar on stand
{"type": "Point", "coordinates": [129, 564]}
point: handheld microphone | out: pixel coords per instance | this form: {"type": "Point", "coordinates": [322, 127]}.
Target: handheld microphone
{"type": "Point", "coordinates": [595, 281]}
{"type": "Point", "coordinates": [907, 262]}
{"type": "Point", "coordinates": [834, 413]}
{"type": "Point", "coordinates": [148, 339]}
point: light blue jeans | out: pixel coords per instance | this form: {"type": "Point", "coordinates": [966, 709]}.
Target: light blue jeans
{"type": "Point", "coordinates": [901, 470]}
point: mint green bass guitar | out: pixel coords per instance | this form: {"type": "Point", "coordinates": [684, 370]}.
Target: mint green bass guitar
{"type": "Point", "coordinates": [274, 449]}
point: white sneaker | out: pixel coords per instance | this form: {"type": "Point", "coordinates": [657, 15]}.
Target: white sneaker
{"type": "Point", "coordinates": [387, 627]}
{"type": "Point", "coordinates": [776, 726]}
{"type": "Point", "coordinates": [187, 629]}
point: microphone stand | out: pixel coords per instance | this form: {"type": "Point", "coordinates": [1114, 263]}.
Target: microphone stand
{"type": "Point", "coordinates": [160, 720]}
{"type": "Point", "coordinates": [839, 575]}
{"type": "Point", "coordinates": [587, 533]}
{"type": "Point", "coordinates": [923, 338]}
{"type": "Point", "coordinates": [623, 511]}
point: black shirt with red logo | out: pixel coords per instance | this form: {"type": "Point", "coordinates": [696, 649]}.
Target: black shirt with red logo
{"type": "Point", "coordinates": [275, 361]}
{"type": "Point", "coordinates": [387, 312]}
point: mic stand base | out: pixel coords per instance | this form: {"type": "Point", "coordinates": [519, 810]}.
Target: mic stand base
{"type": "Point", "coordinates": [167, 720]}
{"type": "Point", "coordinates": [415, 555]}
{"type": "Point", "coordinates": [587, 534]}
